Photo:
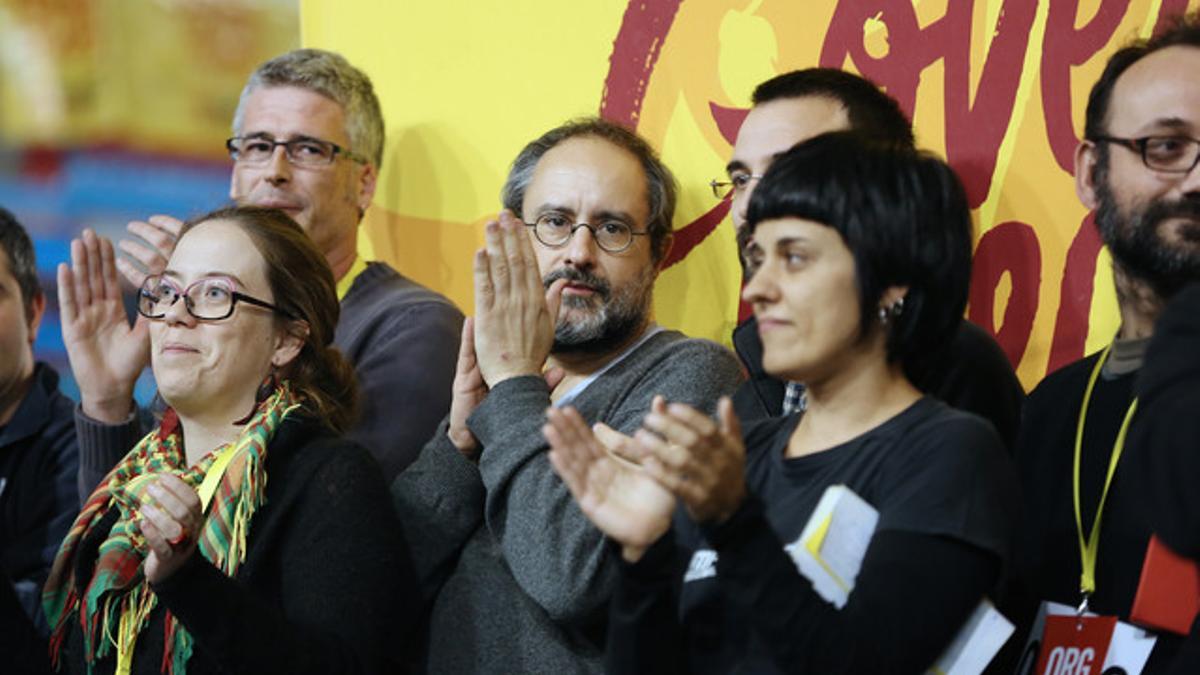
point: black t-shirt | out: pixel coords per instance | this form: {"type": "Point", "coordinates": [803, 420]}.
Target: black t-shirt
{"type": "Point", "coordinates": [931, 470]}
{"type": "Point", "coordinates": [1047, 558]}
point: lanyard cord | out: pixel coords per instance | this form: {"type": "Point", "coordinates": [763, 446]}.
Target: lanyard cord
{"type": "Point", "coordinates": [1088, 550]}
{"type": "Point", "coordinates": [212, 478]}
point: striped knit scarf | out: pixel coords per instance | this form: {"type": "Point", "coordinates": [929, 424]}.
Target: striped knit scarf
{"type": "Point", "coordinates": [113, 607]}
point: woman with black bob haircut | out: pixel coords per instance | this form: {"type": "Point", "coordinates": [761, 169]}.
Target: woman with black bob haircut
{"type": "Point", "coordinates": [863, 255]}
{"type": "Point", "coordinates": [243, 534]}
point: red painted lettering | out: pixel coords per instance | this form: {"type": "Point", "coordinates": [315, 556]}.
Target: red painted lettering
{"type": "Point", "coordinates": [1010, 247]}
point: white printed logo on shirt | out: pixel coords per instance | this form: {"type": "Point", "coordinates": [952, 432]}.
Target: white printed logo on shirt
{"type": "Point", "coordinates": [702, 566]}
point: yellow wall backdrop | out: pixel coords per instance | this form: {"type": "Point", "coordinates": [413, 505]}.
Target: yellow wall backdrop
{"type": "Point", "coordinates": [996, 86]}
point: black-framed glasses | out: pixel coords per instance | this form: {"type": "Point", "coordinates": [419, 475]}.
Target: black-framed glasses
{"type": "Point", "coordinates": [207, 299]}
{"type": "Point", "coordinates": [737, 184]}
{"type": "Point", "coordinates": [1169, 154]}
{"type": "Point", "coordinates": [301, 151]}
{"type": "Point", "coordinates": [612, 236]}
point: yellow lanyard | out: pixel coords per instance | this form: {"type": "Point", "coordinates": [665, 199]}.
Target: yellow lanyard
{"type": "Point", "coordinates": [1088, 550]}
{"type": "Point", "coordinates": [343, 286]}
{"type": "Point", "coordinates": [208, 487]}
{"type": "Point", "coordinates": [212, 477]}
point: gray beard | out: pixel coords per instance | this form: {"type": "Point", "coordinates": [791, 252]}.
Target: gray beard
{"type": "Point", "coordinates": [610, 318]}
{"type": "Point", "coordinates": [1136, 244]}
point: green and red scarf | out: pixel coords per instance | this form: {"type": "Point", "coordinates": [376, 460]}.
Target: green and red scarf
{"type": "Point", "coordinates": [113, 607]}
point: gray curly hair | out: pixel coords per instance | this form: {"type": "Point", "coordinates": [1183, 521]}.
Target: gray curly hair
{"type": "Point", "coordinates": [330, 75]}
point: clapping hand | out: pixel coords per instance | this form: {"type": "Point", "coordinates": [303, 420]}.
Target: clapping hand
{"type": "Point", "coordinates": [469, 390]}
{"type": "Point", "coordinates": [515, 314]}
{"type": "Point", "coordinates": [105, 352]}
{"type": "Point", "coordinates": [623, 500]}
{"type": "Point", "coordinates": [160, 234]}
{"type": "Point", "coordinates": [170, 520]}
{"type": "Point", "coordinates": [700, 461]}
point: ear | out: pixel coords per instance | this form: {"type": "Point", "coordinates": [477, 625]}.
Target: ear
{"type": "Point", "coordinates": [1085, 170]}
{"type": "Point", "coordinates": [233, 193]}
{"type": "Point", "coordinates": [667, 244]}
{"type": "Point", "coordinates": [289, 344]}
{"type": "Point", "coordinates": [891, 295]}
{"type": "Point", "coordinates": [38, 310]}
{"type": "Point", "coordinates": [366, 186]}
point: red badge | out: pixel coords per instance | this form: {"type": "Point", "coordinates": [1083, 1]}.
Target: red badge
{"type": "Point", "coordinates": [1075, 645]}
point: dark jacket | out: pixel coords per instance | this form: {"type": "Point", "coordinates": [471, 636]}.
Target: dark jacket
{"type": "Point", "coordinates": [1166, 433]}
{"type": "Point", "coordinates": [38, 500]}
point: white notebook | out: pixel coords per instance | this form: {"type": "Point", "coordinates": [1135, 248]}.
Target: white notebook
{"type": "Point", "coordinates": [830, 551]}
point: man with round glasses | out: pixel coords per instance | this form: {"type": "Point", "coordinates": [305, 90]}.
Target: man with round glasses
{"type": "Point", "coordinates": [308, 140]}
{"type": "Point", "coordinates": [612, 236]}
{"type": "Point", "coordinates": [1086, 526]}
{"type": "Point", "coordinates": [520, 579]}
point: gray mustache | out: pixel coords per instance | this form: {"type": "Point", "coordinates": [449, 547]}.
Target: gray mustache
{"type": "Point", "coordinates": [571, 274]}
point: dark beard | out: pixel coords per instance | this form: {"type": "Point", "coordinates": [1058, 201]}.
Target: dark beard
{"type": "Point", "coordinates": [744, 237]}
{"type": "Point", "coordinates": [615, 316]}
{"type": "Point", "coordinates": [1137, 246]}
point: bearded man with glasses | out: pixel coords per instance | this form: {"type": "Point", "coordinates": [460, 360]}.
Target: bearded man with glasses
{"type": "Point", "coordinates": [520, 580]}
{"type": "Point", "coordinates": [308, 140]}
{"type": "Point", "coordinates": [1087, 525]}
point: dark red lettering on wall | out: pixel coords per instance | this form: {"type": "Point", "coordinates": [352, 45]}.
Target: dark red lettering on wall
{"type": "Point", "coordinates": [1075, 297]}
{"type": "Point", "coordinates": [975, 131]}
{"type": "Point", "coordinates": [639, 41]}
{"type": "Point", "coordinates": [1170, 10]}
{"type": "Point", "coordinates": [1010, 247]}
{"type": "Point", "coordinates": [644, 29]}
{"type": "Point", "coordinates": [1064, 47]}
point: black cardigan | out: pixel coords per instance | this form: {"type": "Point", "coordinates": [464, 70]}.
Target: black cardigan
{"type": "Point", "coordinates": [326, 587]}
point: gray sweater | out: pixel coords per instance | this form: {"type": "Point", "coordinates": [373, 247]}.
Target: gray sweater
{"type": "Point", "coordinates": [517, 578]}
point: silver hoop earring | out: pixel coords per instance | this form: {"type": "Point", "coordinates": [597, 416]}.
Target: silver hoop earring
{"type": "Point", "coordinates": [883, 316]}
{"type": "Point", "coordinates": [898, 306]}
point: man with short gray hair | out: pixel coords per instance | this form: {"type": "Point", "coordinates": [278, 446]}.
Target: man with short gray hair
{"type": "Point", "coordinates": [308, 140]}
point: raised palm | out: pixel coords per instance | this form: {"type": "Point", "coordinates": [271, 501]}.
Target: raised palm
{"type": "Point", "coordinates": [616, 495]}
{"type": "Point", "coordinates": [105, 352]}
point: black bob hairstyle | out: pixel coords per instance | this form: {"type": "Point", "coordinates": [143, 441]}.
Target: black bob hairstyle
{"type": "Point", "coordinates": [904, 216]}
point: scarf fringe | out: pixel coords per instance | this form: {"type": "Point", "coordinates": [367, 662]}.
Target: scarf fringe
{"type": "Point", "coordinates": [58, 630]}
{"type": "Point", "coordinates": [114, 612]}
{"type": "Point", "coordinates": [174, 660]}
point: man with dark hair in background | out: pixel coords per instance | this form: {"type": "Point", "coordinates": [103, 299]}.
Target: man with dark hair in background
{"type": "Point", "coordinates": [38, 454]}
{"type": "Point", "coordinates": [308, 140]}
{"type": "Point", "coordinates": [975, 374]}
{"type": "Point", "coordinates": [1086, 526]}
